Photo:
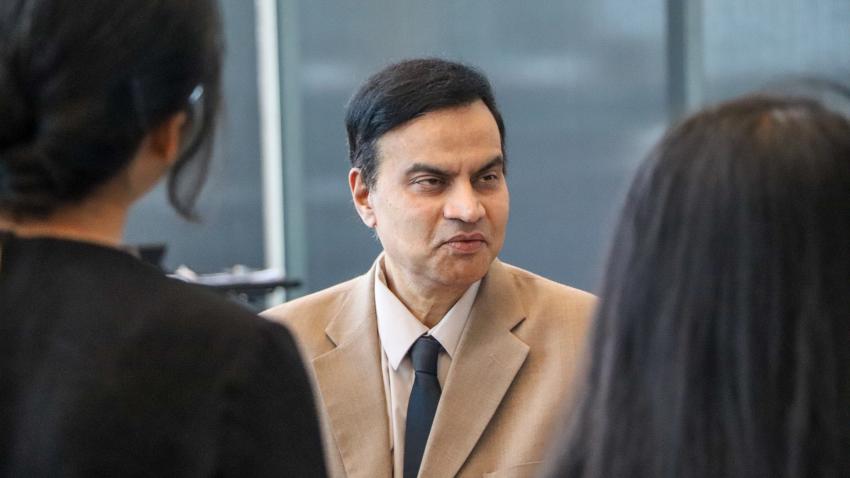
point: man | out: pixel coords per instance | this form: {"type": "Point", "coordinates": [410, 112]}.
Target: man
{"type": "Point", "coordinates": [441, 360]}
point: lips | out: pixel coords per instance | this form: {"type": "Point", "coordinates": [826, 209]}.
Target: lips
{"type": "Point", "coordinates": [466, 243]}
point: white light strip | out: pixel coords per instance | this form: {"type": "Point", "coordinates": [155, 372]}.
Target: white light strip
{"type": "Point", "coordinates": [268, 78]}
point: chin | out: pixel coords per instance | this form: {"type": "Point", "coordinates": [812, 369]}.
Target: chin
{"type": "Point", "coordinates": [466, 276]}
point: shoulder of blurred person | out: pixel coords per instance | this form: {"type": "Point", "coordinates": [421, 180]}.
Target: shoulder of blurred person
{"type": "Point", "coordinates": [109, 368]}
{"type": "Point", "coordinates": [131, 370]}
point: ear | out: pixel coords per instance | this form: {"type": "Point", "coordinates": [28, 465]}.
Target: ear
{"type": "Point", "coordinates": [156, 154]}
{"type": "Point", "coordinates": [163, 141]}
{"type": "Point", "coordinates": [360, 194]}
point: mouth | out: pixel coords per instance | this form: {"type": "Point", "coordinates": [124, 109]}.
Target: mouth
{"type": "Point", "coordinates": [466, 243]}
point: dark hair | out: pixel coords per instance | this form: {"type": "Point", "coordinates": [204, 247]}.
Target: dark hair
{"type": "Point", "coordinates": [721, 347]}
{"type": "Point", "coordinates": [404, 91]}
{"type": "Point", "coordinates": [82, 83]}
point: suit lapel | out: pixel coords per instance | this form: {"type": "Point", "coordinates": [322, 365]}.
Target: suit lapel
{"type": "Point", "coordinates": [487, 360]}
{"type": "Point", "coordinates": [352, 387]}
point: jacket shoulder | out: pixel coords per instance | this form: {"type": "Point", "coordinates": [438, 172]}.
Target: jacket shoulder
{"type": "Point", "coordinates": [539, 291]}
{"type": "Point", "coordinates": [308, 316]}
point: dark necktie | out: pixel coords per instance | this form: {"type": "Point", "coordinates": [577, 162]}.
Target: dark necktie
{"type": "Point", "coordinates": [423, 402]}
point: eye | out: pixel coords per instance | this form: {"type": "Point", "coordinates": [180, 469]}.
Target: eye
{"type": "Point", "coordinates": [488, 179]}
{"type": "Point", "coordinates": [428, 183]}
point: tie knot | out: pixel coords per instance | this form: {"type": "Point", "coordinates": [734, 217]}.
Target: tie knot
{"type": "Point", "coordinates": [424, 354]}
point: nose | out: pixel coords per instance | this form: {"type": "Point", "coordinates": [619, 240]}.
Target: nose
{"type": "Point", "coordinates": [463, 204]}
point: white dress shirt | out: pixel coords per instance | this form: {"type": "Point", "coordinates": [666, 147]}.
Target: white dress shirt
{"type": "Point", "coordinates": [398, 329]}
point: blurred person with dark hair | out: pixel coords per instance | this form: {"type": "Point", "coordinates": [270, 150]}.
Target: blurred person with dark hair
{"type": "Point", "coordinates": [108, 368]}
{"type": "Point", "coordinates": [721, 347]}
{"type": "Point", "coordinates": [441, 360]}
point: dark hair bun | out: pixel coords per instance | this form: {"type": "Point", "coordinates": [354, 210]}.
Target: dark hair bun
{"type": "Point", "coordinates": [17, 122]}
{"type": "Point", "coordinates": [30, 183]}
{"type": "Point", "coordinates": [26, 182]}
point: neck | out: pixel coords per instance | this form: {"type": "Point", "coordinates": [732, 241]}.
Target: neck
{"type": "Point", "coordinates": [91, 221]}
{"type": "Point", "coordinates": [427, 302]}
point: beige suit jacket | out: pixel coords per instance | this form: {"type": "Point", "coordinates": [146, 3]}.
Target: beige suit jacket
{"type": "Point", "coordinates": [502, 398]}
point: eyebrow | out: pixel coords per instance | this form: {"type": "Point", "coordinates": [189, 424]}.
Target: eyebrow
{"type": "Point", "coordinates": [426, 168]}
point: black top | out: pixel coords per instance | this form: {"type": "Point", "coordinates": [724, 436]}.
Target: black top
{"type": "Point", "coordinates": [108, 368]}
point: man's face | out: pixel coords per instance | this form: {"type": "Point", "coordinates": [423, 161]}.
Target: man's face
{"type": "Point", "coordinates": [440, 202]}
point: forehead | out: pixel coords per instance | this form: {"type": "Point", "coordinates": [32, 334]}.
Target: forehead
{"type": "Point", "coordinates": [451, 138]}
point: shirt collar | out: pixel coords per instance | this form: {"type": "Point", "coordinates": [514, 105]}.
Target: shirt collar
{"type": "Point", "coordinates": [398, 328]}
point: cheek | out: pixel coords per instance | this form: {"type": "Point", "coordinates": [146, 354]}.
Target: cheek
{"type": "Point", "coordinates": [498, 211]}
{"type": "Point", "coordinates": [408, 221]}
{"type": "Point", "coordinates": [399, 222]}
{"type": "Point", "coordinates": [419, 224]}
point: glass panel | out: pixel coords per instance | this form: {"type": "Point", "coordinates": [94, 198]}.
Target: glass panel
{"type": "Point", "coordinates": [752, 44]}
